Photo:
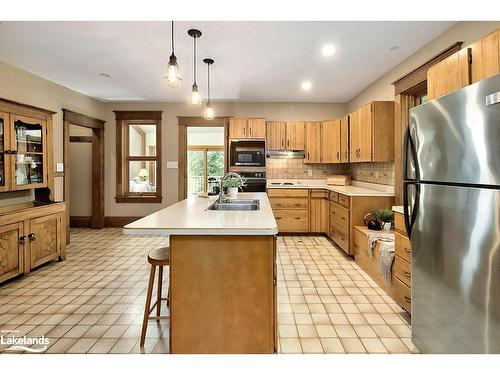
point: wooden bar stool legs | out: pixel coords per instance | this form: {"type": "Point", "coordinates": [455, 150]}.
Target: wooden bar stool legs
{"type": "Point", "coordinates": [157, 258]}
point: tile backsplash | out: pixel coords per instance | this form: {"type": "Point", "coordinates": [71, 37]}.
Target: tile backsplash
{"type": "Point", "coordinates": [378, 173]}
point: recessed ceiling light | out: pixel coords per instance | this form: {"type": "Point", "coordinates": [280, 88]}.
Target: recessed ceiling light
{"type": "Point", "coordinates": [328, 50]}
{"type": "Point", "coordinates": [306, 85]}
{"type": "Point", "coordinates": [105, 75]}
{"type": "Point", "coordinates": [393, 48]}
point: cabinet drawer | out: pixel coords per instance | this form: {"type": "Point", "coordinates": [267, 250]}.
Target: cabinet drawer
{"type": "Point", "coordinates": [402, 270]}
{"type": "Point", "coordinates": [334, 197]}
{"type": "Point", "coordinates": [292, 220]}
{"type": "Point", "coordinates": [317, 193]}
{"type": "Point", "coordinates": [279, 203]}
{"type": "Point", "coordinates": [344, 200]}
{"type": "Point", "coordinates": [399, 223]}
{"type": "Point", "coordinates": [403, 247]}
{"type": "Point", "coordinates": [403, 295]}
{"type": "Point", "coordinates": [340, 216]}
{"type": "Point", "coordinates": [340, 236]}
{"type": "Point", "coordinates": [288, 193]}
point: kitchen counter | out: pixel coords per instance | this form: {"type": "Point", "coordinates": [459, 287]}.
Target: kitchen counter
{"type": "Point", "coordinates": [191, 217]}
{"type": "Point", "coordinates": [357, 189]}
{"type": "Point", "coordinates": [398, 209]}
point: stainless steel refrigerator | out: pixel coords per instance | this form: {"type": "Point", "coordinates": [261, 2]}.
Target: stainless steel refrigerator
{"type": "Point", "coordinates": [451, 174]}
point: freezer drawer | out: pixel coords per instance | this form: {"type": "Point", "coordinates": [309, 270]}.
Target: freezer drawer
{"type": "Point", "coordinates": [456, 270]}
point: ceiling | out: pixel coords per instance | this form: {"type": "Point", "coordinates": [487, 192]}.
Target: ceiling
{"type": "Point", "coordinates": [254, 61]}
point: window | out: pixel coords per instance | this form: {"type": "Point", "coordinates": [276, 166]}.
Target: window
{"type": "Point", "coordinates": [138, 156]}
{"type": "Point", "coordinates": [205, 168]}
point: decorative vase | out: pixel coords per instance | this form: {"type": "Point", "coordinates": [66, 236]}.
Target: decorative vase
{"type": "Point", "coordinates": [232, 192]}
{"type": "Point", "coordinates": [387, 225]}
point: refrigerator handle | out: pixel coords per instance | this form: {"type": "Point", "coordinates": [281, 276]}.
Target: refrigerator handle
{"type": "Point", "coordinates": [410, 218]}
{"type": "Point", "coordinates": [406, 185]}
{"type": "Point", "coordinates": [408, 143]}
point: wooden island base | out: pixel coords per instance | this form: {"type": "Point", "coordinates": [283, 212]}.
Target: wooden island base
{"type": "Point", "coordinates": [223, 294]}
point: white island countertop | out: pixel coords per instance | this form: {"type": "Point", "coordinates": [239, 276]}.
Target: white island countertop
{"type": "Point", "coordinates": [361, 189]}
{"type": "Point", "coordinates": [191, 217]}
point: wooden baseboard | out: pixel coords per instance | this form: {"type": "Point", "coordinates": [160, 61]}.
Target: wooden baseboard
{"type": "Point", "coordinates": [119, 221]}
{"type": "Point", "coordinates": [80, 222]}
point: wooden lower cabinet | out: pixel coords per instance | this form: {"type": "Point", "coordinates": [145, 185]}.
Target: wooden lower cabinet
{"type": "Point", "coordinates": [402, 264]}
{"type": "Point", "coordinates": [31, 236]}
{"type": "Point", "coordinates": [348, 211]}
{"type": "Point", "coordinates": [11, 251]}
{"type": "Point", "coordinates": [319, 211]}
{"type": "Point", "coordinates": [223, 294]}
{"type": "Point", "coordinates": [291, 209]}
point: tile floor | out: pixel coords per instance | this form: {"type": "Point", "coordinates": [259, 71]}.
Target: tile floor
{"type": "Point", "coordinates": [93, 302]}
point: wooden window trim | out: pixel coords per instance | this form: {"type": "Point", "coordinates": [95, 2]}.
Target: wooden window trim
{"type": "Point", "coordinates": [414, 79]}
{"type": "Point", "coordinates": [123, 120]}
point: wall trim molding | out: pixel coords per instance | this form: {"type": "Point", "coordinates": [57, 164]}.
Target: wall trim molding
{"type": "Point", "coordinates": [119, 221]}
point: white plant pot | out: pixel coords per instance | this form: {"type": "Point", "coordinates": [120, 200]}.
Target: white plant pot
{"type": "Point", "coordinates": [387, 226]}
{"type": "Point", "coordinates": [232, 192]}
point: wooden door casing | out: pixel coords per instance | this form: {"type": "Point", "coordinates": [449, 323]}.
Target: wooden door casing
{"type": "Point", "coordinates": [11, 251]}
{"type": "Point", "coordinates": [45, 243]}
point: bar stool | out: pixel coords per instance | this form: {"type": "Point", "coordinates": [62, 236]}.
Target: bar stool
{"type": "Point", "coordinates": [157, 258]}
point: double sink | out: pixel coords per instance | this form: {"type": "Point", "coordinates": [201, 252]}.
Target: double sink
{"type": "Point", "coordinates": [235, 205]}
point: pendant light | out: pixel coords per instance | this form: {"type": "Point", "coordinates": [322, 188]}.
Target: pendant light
{"type": "Point", "coordinates": [194, 97]}
{"type": "Point", "coordinates": [172, 75]}
{"type": "Point", "coordinates": [209, 112]}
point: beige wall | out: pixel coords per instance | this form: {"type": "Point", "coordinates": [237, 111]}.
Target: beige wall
{"type": "Point", "coordinates": [382, 88]}
{"type": "Point", "coordinates": [272, 111]}
{"type": "Point", "coordinates": [23, 87]}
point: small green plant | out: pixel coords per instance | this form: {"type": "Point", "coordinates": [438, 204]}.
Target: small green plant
{"type": "Point", "coordinates": [234, 182]}
{"type": "Point", "coordinates": [384, 214]}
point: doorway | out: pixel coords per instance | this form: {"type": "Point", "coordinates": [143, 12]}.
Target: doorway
{"type": "Point", "coordinates": [202, 151]}
{"type": "Point", "coordinates": [87, 135]}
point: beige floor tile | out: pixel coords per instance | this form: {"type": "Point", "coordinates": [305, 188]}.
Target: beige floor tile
{"type": "Point", "coordinates": [344, 330]}
{"type": "Point", "coordinates": [326, 330]}
{"type": "Point", "coordinates": [103, 346]}
{"type": "Point", "coordinates": [58, 331]}
{"type": "Point", "coordinates": [338, 318]}
{"type": "Point", "coordinates": [383, 330]}
{"type": "Point", "coordinates": [373, 345]}
{"type": "Point", "coordinates": [374, 318]}
{"type": "Point", "coordinates": [288, 330]}
{"type": "Point", "coordinates": [290, 346]}
{"type": "Point", "coordinates": [395, 345]}
{"type": "Point", "coordinates": [82, 346]}
{"type": "Point", "coordinates": [364, 330]}
{"type": "Point", "coordinates": [76, 331]}
{"type": "Point", "coordinates": [332, 345]}
{"type": "Point", "coordinates": [353, 345]}
{"type": "Point", "coordinates": [303, 319]}
{"type": "Point", "coordinates": [61, 345]}
{"type": "Point", "coordinates": [123, 346]}
{"type": "Point", "coordinates": [306, 330]}
{"type": "Point", "coordinates": [286, 318]}
{"type": "Point", "coordinates": [401, 330]}
{"type": "Point", "coordinates": [311, 345]}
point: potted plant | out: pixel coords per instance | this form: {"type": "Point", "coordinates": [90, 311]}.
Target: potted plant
{"type": "Point", "coordinates": [385, 215]}
{"type": "Point", "coordinates": [232, 185]}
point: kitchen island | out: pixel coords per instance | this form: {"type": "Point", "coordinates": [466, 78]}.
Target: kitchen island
{"type": "Point", "coordinates": [222, 275]}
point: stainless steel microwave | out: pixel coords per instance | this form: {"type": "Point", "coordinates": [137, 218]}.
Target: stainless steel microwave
{"type": "Point", "coordinates": [247, 154]}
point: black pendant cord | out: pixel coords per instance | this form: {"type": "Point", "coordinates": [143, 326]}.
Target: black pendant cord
{"type": "Point", "coordinates": [173, 38]}
{"type": "Point", "coordinates": [194, 60]}
{"type": "Point", "coordinates": [208, 67]}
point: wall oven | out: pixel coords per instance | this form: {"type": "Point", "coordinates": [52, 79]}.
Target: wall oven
{"type": "Point", "coordinates": [255, 181]}
{"type": "Point", "coordinates": [244, 154]}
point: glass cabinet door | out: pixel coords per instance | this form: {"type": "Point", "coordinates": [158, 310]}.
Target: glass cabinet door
{"type": "Point", "coordinates": [28, 152]}
{"type": "Point", "coordinates": [4, 123]}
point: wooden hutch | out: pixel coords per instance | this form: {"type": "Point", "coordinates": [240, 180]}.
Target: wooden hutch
{"type": "Point", "coordinates": [31, 233]}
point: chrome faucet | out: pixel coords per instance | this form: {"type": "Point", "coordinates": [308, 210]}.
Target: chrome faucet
{"type": "Point", "coordinates": [223, 178]}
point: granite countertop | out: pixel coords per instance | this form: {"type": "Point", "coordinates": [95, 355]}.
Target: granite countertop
{"type": "Point", "coordinates": [356, 189]}
{"type": "Point", "coordinates": [191, 217]}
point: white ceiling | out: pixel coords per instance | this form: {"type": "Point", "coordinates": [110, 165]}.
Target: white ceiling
{"type": "Point", "coordinates": [254, 61]}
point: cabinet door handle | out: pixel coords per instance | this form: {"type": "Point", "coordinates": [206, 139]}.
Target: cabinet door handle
{"type": "Point", "coordinates": [22, 239]}
{"type": "Point", "coordinates": [31, 236]}
{"type": "Point", "coordinates": [278, 218]}
{"type": "Point", "coordinates": [407, 299]}
{"type": "Point", "coordinates": [282, 143]}
{"type": "Point", "coordinates": [298, 204]}
{"type": "Point", "coordinates": [307, 155]}
{"type": "Point", "coordinates": [407, 274]}
{"type": "Point", "coordinates": [277, 204]}
{"type": "Point", "coordinates": [288, 143]}
{"type": "Point", "coordinates": [245, 132]}
{"type": "Point", "coordinates": [250, 131]}
{"type": "Point", "coordinates": [343, 218]}
{"type": "Point", "coordinates": [297, 218]}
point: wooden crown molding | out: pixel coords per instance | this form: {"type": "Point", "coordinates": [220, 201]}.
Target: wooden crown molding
{"type": "Point", "coordinates": [419, 75]}
{"type": "Point", "coordinates": [12, 106]}
{"type": "Point", "coordinates": [82, 120]}
{"type": "Point", "coordinates": [138, 115]}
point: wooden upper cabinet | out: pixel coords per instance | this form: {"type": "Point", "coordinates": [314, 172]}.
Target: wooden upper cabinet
{"type": "Point", "coordinates": [4, 156]}
{"type": "Point", "coordinates": [313, 142]}
{"type": "Point", "coordinates": [476, 62]}
{"type": "Point", "coordinates": [295, 135]}
{"type": "Point", "coordinates": [237, 128]}
{"type": "Point", "coordinates": [256, 128]}
{"type": "Point", "coordinates": [344, 139]}
{"type": "Point", "coordinates": [371, 131]}
{"type": "Point", "coordinates": [275, 135]}
{"type": "Point", "coordinates": [330, 141]}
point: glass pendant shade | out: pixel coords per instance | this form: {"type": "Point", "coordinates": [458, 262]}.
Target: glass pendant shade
{"type": "Point", "coordinates": [195, 97]}
{"type": "Point", "coordinates": [209, 113]}
{"type": "Point", "coordinates": [173, 75]}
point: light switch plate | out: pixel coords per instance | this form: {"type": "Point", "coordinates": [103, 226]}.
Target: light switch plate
{"type": "Point", "coordinates": [59, 167]}
{"type": "Point", "coordinates": [172, 165]}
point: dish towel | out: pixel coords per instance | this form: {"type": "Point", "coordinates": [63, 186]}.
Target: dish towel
{"type": "Point", "coordinates": [385, 260]}
{"type": "Point", "coordinates": [373, 237]}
